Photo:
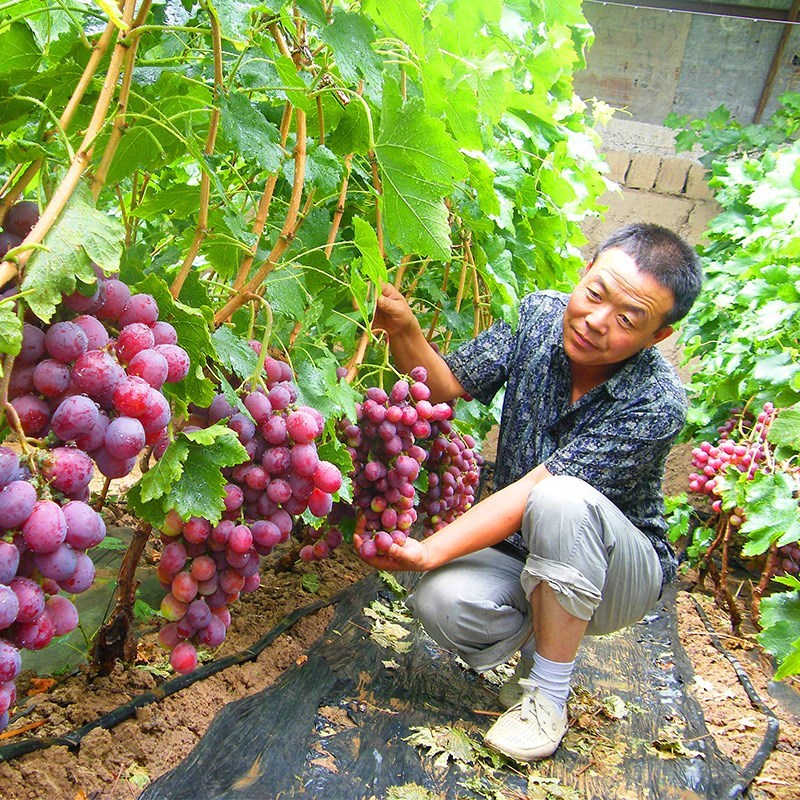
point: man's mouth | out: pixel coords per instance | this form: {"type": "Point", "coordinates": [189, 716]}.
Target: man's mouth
{"type": "Point", "coordinates": [583, 341]}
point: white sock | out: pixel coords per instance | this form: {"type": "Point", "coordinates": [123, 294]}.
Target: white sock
{"type": "Point", "coordinates": [552, 678]}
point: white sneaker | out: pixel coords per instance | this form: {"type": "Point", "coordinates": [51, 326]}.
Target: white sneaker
{"type": "Point", "coordinates": [532, 729]}
{"type": "Point", "coordinates": [511, 692]}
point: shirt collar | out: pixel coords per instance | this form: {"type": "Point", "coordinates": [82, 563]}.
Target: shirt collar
{"type": "Point", "coordinates": [623, 382]}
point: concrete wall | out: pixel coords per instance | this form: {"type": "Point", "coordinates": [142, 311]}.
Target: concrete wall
{"type": "Point", "coordinates": [653, 62]}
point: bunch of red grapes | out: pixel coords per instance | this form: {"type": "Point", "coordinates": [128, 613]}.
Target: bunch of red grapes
{"type": "Point", "coordinates": [85, 390]}
{"type": "Point", "coordinates": [748, 455]}
{"type": "Point", "coordinates": [44, 537]}
{"type": "Point", "coordinates": [72, 382]}
{"type": "Point", "coordinates": [395, 433]}
{"type": "Point", "coordinates": [205, 568]}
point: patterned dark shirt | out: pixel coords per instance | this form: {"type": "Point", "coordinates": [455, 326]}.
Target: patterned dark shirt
{"type": "Point", "coordinates": [616, 437]}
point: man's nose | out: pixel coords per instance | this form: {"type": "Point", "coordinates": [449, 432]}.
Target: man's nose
{"type": "Point", "coordinates": [597, 318]}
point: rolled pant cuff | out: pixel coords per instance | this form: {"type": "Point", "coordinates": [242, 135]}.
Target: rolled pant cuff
{"type": "Point", "coordinates": [575, 594]}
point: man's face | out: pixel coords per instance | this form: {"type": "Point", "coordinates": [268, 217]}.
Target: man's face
{"type": "Point", "coordinates": [614, 312]}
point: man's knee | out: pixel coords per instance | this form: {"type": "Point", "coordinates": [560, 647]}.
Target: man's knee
{"type": "Point", "coordinates": [555, 513]}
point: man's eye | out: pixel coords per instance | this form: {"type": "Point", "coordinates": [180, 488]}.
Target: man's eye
{"type": "Point", "coordinates": [625, 321]}
{"type": "Point", "coordinates": [593, 294]}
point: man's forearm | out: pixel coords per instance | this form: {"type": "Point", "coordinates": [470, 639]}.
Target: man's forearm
{"type": "Point", "coordinates": [485, 524]}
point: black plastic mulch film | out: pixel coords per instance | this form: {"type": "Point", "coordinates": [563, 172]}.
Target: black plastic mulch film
{"type": "Point", "coordinates": [334, 727]}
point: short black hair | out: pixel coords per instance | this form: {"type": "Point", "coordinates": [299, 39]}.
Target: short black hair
{"type": "Point", "coordinates": [660, 252]}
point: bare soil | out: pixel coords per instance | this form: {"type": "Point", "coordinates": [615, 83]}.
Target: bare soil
{"type": "Point", "coordinates": [118, 764]}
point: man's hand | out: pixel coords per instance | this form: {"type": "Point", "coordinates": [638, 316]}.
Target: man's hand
{"type": "Point", "coordinates": [411, 556]}
{"type": "Point", "coordinates": [392, 312]}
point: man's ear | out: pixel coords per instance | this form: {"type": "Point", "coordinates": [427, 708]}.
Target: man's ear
{"type": "Point", "coordinates": [661, 334]}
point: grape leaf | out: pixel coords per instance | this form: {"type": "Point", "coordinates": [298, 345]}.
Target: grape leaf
{"type": "Point", "coordinates": [188, 477]}
{"type": "Point", "coordinates": [81, 235]}
{"type": "Point", "coordinates": [785, 429]}
{"type": "Point", "coordinates": [233, 353]}
{"type": "Point", "coordinates": [401, 18]}
{"type": "Point", "coordinates": [249, 133]}
{"type": "Point", "coordinates": [350, 36]}
{"type": "Point", "coordinates": [20, 52]}
{"type": "Point", "coordinates": [351, 134]}
{"type": "Point", "coordinates": [416, 177]}
{"type": "Point", "coordinates": [234, 17]}
{"type": "Point", "coordinates": [772, 512]}
{"type": "Point", "coordinates": [367, 242]}
{"type": "Point", "coordinates": [10, 330]}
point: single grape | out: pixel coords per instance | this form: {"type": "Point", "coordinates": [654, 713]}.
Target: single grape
{"type": "Point", "coordinates": [9, 561]}
{"type": "Point", "coordinates": [35, 635]}
{"type": "Point", "coordinates": [85, 527]}
{"type": "Point", "coordinates": [113, 467]}
{"type": "Point", "coordinates": [9, 466]}
{"type": "Point", "coordinates": [164, 333]}
{"type": "Point", "coordinates": [59, 564]}
{"type": "Point", "coordinates": [117, 296]}
{"type": "Point", "coordinates": [30, 598]}
{"type": "Point", "coordinates": [51, 378]}
{"type": "Point", "coordinates": [9, 606]}
{"type": "Point", "coordinates": [151, 366]}
{"type": "Point", "coordinates": [65, 341]}
{"type": "Point", "coordinates": [32, 348]}
{"type": "Point", "coordinates": [62, 613]}
{"type": "Point", "coordinates": [10, 661]}
{"type": "Point", "coordinates": [124, 438]}
{"type": "Point", "coordinates": [85, 298]}
{"type": "Point", "coordinates": [82, 578]}
{"type": "Point", "coordinates": [74, 417]}
{"type": "Point", "coordinates": [21, 218]}
{"type": "Point", "coordinates": [33, 413]}
{"type": "Point", "coordinates": [17, 501]}
{"type": "Point", "coordinates": [177, 359]}
{"type": "Point", "coordinates": [141, 308]}
{"type": "Point", "coordinates": [45, 528]}
{"type": "Point", "coordinates": [68, 469]}
{"type": "Point", "coordinates": [133, 339]}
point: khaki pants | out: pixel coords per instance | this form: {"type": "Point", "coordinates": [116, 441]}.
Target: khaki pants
{"type": "Point", "coordinates": [602, 568]}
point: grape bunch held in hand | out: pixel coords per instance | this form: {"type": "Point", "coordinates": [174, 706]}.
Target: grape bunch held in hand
{"type": "Point", "coordinates": [389, 444]}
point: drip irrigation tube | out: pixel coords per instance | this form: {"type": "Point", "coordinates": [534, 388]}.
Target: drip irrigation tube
{"type": "Point", "coordinates": [73, 739]}
{"type": "Point", "coordinates": [756, 763]}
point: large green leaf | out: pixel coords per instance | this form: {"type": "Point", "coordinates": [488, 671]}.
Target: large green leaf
{"type": "Point", "coordinates": [81, 236]}
{"type": "Point", "coordinates": [350, 36]}
{"type": "Point", "coordinates": [20, 52]}
{"type": "Point", "coordinates": [419, 164]}
{"type": "Point", "coordinates": [772, 512]}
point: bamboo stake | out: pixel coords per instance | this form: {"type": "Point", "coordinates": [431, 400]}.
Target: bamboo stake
{"type": "Point", "coordinates": [288, 230]}
{"type": "Point", "coordinates": [99, 179]}
{"type": "Point", "coordinates": [201, 230]}
{"type": "Point", "coordinates": [376, 184]}
{"type": "Point", "coordinates": [340, 206]}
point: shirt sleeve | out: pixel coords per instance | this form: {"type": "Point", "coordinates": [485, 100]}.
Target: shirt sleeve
{"type": "Point", "coordinates": [611, 454]}
{"type": "Point", "coordinates": [481, 364]}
